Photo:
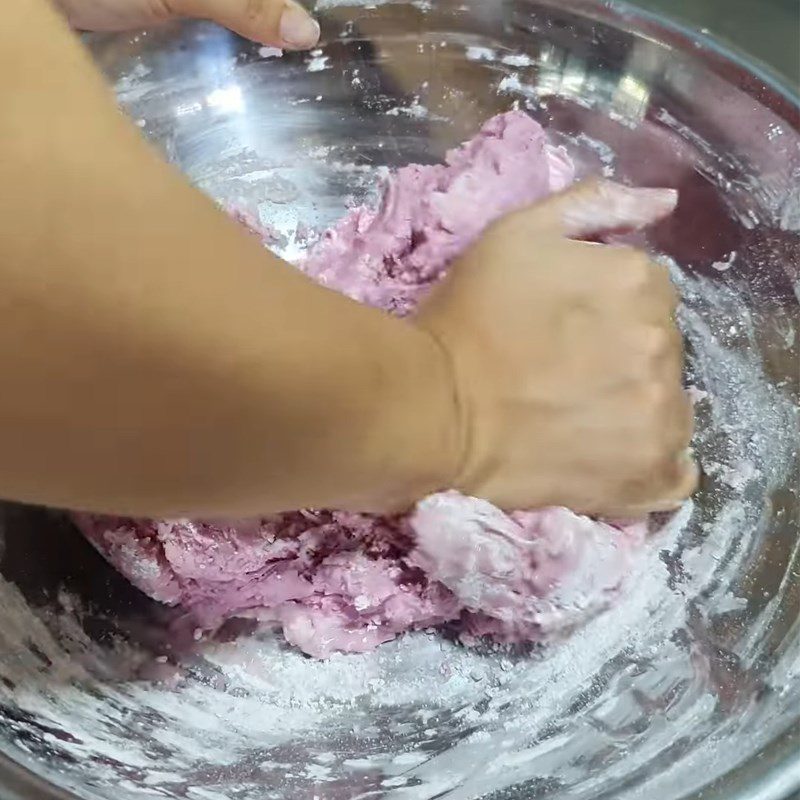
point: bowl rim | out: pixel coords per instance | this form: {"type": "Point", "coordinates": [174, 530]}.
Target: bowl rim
{"type": "Point", "coordinates": [716, 51]}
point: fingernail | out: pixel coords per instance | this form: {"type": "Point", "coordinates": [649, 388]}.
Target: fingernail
{"type": "Point", "coordinates": [667, 197]}
{"type": "Point", "coordinates": [297, 28]}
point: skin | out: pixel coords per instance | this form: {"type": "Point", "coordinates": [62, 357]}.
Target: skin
{"type": "Point", "coordinates": [157, 361]}
{"type": "Point", "coordinates": [280, 23]}
{"type": "Point", "coordinates": [567, 348]}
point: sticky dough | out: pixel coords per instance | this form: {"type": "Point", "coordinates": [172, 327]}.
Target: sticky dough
{"type": "Point", "coordinates": [334, 581]}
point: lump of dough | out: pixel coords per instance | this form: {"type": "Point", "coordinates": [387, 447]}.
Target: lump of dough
{"type": "Point", "coordinates": [522, 576]}
{"type": "Point", "coordinates": [334, 581]}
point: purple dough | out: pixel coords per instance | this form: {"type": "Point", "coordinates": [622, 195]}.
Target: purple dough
{"type": "Point", "coordinates": [335, 581]}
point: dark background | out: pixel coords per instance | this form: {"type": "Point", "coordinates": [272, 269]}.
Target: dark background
{"type": "Point", "coordinates": [766, 29]}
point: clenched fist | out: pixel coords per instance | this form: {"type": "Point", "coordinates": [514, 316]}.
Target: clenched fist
{"type": "Point", "coordinates": [281, 23]}
{"type": "Point", "coordinates": [567, 360]}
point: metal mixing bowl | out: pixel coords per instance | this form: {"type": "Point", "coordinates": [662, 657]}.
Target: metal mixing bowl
{"type": "Point", "coordinates": [690, 687]}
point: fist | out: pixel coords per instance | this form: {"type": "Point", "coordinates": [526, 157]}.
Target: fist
{"type": "Point", "coordinates": [567, 360]}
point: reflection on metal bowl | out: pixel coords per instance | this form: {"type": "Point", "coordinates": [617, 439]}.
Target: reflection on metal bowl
{"type": "Point", "coordinates": [690, 687]}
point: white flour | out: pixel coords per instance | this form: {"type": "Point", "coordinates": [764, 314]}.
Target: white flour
{"type": "Point", "coordinates": [421, 715]}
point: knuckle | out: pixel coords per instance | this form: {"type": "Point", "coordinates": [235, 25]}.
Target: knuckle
{"type": "Point", "coordinates": [161, 10]}
{"type": "Point", "coordinates": [633, 270]}
{"type": "Point", "coordinates": [653, 454]}
{"type": "Point", "coordinates": [652, 397]}
{"type": "Point", "coordinates": [592, 185]}
{"type": "Point", "coordinates": [655, 341]}
{"type": "Point", "coordinates": [262, 15]}
{"type": "Point", "coordinates": [518, 225]}
{"type": "Point", "coordinates": [254, 10]}
{"type": "Point", "coordinates": [671, 292]}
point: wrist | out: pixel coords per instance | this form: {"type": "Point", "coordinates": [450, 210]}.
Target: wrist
{"type": "Point", "coordinates": [420, 427]}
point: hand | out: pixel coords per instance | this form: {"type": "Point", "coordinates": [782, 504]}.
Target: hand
{"type": "Point", "coordinates": [280, 23]}
{"type": "Point", "coordinates": [567, 361]}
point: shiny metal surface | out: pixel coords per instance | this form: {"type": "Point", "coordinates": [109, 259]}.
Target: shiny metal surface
{"type": "Point", "coordinates": [689, 689]}
{"type": "Point", "coordinates": [766, 29]}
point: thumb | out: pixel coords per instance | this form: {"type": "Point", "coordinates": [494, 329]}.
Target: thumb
{"type": "Point", "coordinates": [597, 206]}
{"type": "Point", "coordinates": [280, 23]}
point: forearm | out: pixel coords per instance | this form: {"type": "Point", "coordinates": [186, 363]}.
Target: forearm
{"type": "Point", "coordinates": [155, 359]}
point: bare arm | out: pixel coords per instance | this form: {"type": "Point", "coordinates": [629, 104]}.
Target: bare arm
{"type": "Point", "coordinates": [154, 358]}
{"type": "Point", "coordinates": [157, 361]}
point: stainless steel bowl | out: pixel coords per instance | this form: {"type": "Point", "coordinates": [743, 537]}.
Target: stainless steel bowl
{"type": "Point", "coordinates": [690, 687]}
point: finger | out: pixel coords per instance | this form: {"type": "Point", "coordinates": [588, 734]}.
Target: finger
{"type": "Point", "coordinates": [653, 352]}
{"type": "Point", "coordinates": [637, 282]}
{"type": "Point", "coordinates": [281, 23]}
{"type": "Point", "coordinates": [596, 206]}
{"type": "Point", "coordinates": [662, 284]}
{"type": "Point", "coordinates": [672, 367]}
{"type": "Point", "coordinates": [111, 16]}
{"type": "Point", "coordinates": [657, 297]}
{"type": "Point", "coordinates": [681, 482]}
{"type": "Point", "coordinates": [682, 485]}
{"type": "Point", "coordinates": [680, 429]}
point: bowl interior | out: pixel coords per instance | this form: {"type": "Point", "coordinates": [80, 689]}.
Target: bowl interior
{"type": "Point", "coordinates": [692, 682]}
